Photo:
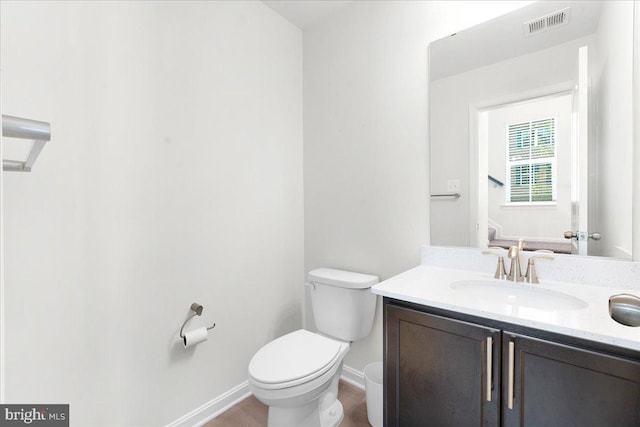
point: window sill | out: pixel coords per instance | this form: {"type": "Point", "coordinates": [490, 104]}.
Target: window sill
{"type": "Point", "coordinates": [534, 205]}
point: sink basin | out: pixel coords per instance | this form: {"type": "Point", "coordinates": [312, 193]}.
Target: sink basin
{"type": "Point", "coordinates": [504, 293]}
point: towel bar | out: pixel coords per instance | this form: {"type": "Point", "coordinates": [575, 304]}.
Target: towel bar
{"type": "Point", "coordinates": [38, 132]}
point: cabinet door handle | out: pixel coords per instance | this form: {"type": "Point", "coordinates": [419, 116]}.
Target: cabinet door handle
{"type": "Point", "coordinates": [489, 366]}
{"type": "Point", "coordinates": [510, 380]}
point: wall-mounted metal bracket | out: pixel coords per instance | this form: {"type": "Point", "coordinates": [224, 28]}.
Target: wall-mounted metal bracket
{"type": "Point", "coordinates": [197, 311]}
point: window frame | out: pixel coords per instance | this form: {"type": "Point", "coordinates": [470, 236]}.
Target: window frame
{"type": "Point", "coordinates": [552, 161]}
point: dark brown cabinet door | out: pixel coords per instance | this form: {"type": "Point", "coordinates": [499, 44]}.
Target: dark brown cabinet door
{"type": "Point", "coordinates": [550, 384]}
{"type": "Point", "coordinates": [440, 372]}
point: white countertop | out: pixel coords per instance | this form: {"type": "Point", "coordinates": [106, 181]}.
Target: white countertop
{"type": "Point", "coordinates": [430, 286]}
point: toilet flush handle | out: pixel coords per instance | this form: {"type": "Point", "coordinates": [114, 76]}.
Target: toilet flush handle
{"type": "Point", "coordinates": [310, 285]}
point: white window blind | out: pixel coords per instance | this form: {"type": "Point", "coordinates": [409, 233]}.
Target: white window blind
{"type": "Point", "coordinates": [531, 161]}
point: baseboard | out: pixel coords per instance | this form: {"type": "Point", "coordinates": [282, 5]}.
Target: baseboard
{"type": "Point", "coordinates": [352, 376]}
{"type": "Point", "coordinates": [213, 408]}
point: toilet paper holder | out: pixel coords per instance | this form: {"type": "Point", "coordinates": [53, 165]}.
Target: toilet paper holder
{"type": "Point", "coordinates": [197, 311]}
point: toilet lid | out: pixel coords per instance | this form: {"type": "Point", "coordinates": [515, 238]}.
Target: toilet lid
{"type": "Point", "coordinates": [293, 356]}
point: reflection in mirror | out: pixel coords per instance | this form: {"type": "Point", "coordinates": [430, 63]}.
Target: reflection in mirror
{"type": "Point", "coordinates": [532, 114]}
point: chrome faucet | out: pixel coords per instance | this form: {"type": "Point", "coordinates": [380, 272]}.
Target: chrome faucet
{"type": "Point", "coordinates": [515, 271]}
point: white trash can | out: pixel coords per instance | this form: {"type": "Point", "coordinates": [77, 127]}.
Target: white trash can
{"type": "Point", "coordinates": [373, 391]}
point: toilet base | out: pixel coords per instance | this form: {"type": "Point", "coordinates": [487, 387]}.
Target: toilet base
{"type": "Point", "coordinates": [306, 416]}
{"type": "Point", "coordinates": [333, 416]}
{"type": "Point", "coordinates": [325, 411]}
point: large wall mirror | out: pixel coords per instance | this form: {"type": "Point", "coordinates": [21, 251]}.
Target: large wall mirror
{"type": "Point", "coordinates": [531, 130]}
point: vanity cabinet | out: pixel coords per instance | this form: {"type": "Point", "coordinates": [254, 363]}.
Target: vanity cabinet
{"type": "Point", "coordinates": [444, 371]}
{"type": "Point", "coordinates": [559, 385]}
{"type": "Point", "coordinates": [440, 372]}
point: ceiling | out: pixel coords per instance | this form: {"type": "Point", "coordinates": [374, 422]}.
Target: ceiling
{"type": "Point", "coordinates": [304, 13]}
{"type": "Point", "coordinates": [503, 37]}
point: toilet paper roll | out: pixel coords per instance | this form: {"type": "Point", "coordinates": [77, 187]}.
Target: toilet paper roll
{"type": "Point", "coordinates": [194, 337]}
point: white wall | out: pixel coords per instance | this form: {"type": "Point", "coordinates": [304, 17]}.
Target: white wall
{"type": "Point", "coordinates": [174, 175]}
{"type": "Point", "coordinates": [172, 178]}
{"type": "Point", "coordinates": [450, 100]}
{"type": "Point", "coordinates": [612, 83]}
{"type": "Point", "coordinates": [365, 131]}
{"type": "Point", "coordinates": [531, 222]}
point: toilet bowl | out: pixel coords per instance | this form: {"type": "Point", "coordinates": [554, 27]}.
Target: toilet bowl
{"type": "Point", "coordinates": [297, 374]}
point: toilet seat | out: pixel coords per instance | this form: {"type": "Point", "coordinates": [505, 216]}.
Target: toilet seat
{"type": "Point", "coordinates": [293, 359]}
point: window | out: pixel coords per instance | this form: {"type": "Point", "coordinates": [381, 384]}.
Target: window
{"type": "Point", "coordinates": [531, 161]}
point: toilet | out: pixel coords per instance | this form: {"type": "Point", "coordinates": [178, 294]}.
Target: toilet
{"type": "Point", "coordinates": [297, 374]}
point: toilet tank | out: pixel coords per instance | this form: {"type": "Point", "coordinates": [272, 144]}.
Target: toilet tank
{"type": "Point", "coordinates": [342, 302]}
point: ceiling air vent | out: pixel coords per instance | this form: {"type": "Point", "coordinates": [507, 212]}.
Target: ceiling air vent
{"type": "Point", "coordinates": [547, 22]}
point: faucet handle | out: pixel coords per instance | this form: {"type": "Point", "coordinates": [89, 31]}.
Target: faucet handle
{"type": "Point", "coordinates": [497, 251]}
{"type": "Point", "coordinates": [530, 276]}
{"type": "Point", "coordinates": [501, 272]}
